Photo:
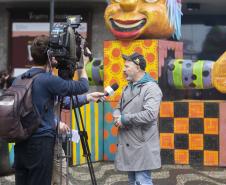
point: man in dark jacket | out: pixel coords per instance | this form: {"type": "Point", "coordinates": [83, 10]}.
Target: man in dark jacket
{"type": "Point", "coordinates": [34, 156]}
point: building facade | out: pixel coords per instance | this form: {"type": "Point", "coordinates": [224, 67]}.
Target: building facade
{"type": "Point", "coordinates": [19, 18]}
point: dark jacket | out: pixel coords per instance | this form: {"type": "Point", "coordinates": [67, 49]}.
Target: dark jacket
{"type": "Point", "coordinates": [44, 90]}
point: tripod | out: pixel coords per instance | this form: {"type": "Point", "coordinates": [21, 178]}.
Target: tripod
{"type": "Point", "coordinates": [84, 140]}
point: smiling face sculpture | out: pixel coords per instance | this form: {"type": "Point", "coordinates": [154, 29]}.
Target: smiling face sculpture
{"type": "Point", "coordinates": [131, 19]}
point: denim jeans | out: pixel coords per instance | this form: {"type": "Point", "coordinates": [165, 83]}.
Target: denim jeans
{"type": "Point", "coordinates": [140, 178]}
{"type": "Point", "coordinates": [34, 161]}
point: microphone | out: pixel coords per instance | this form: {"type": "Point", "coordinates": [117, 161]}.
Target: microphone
{"type": "Point", "coordinates": [109, 91]}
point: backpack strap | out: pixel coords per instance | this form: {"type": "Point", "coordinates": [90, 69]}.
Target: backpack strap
{"type": "Point", "coordinates": [31, 76]}
{"type": "Point", "coordinates": [26, 80]}
{"type": "Point", "coordinates": [29, 83]}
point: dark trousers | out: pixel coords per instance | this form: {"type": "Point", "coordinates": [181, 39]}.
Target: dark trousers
{"type": "Point", "coordinates": [34, 161]}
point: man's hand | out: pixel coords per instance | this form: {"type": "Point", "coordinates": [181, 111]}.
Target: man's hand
{"type": "Point", "coordinates": [118, 122]}
{"type": "Point", "coordinates": [116, 114]}
{"type": "Point", "coordinates": [63, 128]}
{"type": "Point", "coordinates": [95, 96]}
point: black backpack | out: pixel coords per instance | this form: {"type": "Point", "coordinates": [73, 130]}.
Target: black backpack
{"type": "Point", "coordinates": [19, 118]}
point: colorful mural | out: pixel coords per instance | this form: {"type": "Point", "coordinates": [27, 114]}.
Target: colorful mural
{"type": "Point", "coordinates": [93, 121]}
{"type": "Point", "coordinates": [110, 131]}
{"type": "Point", "coordinates": [155, 52]}
{"type": "Point", "coordinates": [113, 62]}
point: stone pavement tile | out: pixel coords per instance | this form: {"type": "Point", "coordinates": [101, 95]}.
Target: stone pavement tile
{"type": "Point", "coordinates": [7, 180]}
{"type": "Point", "coordinates": [167, 175]}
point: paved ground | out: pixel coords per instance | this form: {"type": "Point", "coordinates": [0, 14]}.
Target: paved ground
{"type": "Point", "coordinates": [167, 175]}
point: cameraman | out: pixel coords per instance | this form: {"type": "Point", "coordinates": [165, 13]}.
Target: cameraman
{"type": "Point", "coordinates": [34, 156]}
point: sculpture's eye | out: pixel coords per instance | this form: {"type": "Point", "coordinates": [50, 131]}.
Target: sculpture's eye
{"type": "Point", "coordinates": [151, 1]}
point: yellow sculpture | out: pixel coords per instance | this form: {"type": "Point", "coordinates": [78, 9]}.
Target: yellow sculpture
{"type": "Point", "coordinates": [131, 19]}
{"type": "Point", "coordinates": [219, 74]}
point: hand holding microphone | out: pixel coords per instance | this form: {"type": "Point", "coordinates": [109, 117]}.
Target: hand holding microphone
{"type": "Point", "coordinates": [95, 96]}
{"type": "Point", "coordinates": [109, 91]}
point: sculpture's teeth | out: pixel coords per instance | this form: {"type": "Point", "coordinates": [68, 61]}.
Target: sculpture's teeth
{"type": "Point", "coordinates": [128, 25]}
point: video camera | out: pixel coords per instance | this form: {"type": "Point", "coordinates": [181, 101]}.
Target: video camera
{"type": "Point", "coordinates": [67, 46]}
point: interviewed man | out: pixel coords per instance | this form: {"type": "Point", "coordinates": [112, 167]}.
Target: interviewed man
{"type": "Point", "coordinates": [136, 117]}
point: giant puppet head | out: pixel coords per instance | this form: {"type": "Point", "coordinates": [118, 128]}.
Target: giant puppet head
{"type": "Point", "coordinates": [131, 19]}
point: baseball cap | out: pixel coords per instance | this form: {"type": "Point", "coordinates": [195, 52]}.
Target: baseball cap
{"type": "Point", "coordinates": [137, 59]}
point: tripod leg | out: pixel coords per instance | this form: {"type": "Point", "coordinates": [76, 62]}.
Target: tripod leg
{"type": "Point", "coordinates": [87, 154]}
{"type": "Point", "coordinates": [84, 141]}
{"type": "Point", "coordinates": [68, 146]}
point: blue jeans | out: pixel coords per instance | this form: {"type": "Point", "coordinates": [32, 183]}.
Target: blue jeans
{"type": "Point", "coordinates": [140, 178]}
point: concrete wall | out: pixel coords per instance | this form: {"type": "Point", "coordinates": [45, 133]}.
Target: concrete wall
{"type": "Point", "coordinates": [4, 26]}
{"type": "Point", "coordinates": [99, 32]}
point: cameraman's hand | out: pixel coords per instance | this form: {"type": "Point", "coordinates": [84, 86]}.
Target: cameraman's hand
{"type": "Point", "coordinates": [85, 57]}
{"type": "Point", "coordinates": [95, 96]}
{"type": "Point", "coordinates": [82, 72]}
{"type": "Point", "coordinates": [54, 62]}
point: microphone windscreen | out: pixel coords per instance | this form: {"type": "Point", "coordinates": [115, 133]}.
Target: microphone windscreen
{"type": "Point", "coordinates": [115, 86]}
{"type": "Point", "coordinates": [109, 91]}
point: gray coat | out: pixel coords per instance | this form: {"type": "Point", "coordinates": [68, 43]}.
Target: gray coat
{"type": "Point", "coordinates": [138, 139]}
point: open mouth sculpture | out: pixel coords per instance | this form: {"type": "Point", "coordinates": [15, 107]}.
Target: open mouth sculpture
{"type": "Point", "coordinates": [128, 28]}
{"type": "Point", "coordinates": [151, 19]}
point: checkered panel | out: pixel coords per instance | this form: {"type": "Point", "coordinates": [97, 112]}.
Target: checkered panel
{"type": "Point", "coordinates": [189, 133]}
